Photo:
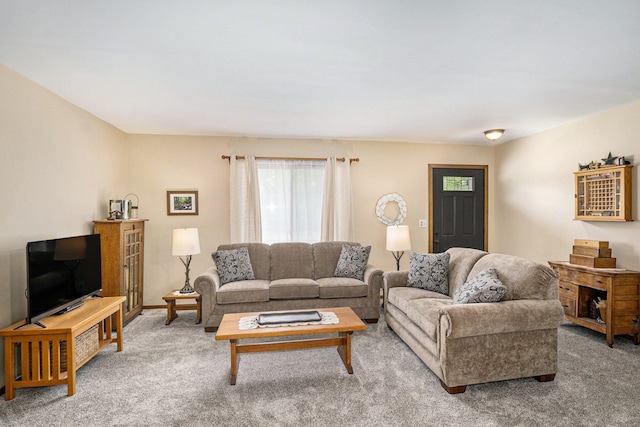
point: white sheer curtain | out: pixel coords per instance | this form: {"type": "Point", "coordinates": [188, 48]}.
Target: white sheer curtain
{"type": "Point", "coordinates": [246, 226]}
{"type": "Point", "coordinates": [291, 200]}
{"type": "Point", "coordinates": [337, 205]}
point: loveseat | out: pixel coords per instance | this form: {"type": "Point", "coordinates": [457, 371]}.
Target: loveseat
{"type": "Point", "coordinates": [289, 276]}
{"type": "Point", "coordinates": [469, 343]}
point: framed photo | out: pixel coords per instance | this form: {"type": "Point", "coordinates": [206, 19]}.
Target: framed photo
{"type": "Point", "coordinates": [182, 202]}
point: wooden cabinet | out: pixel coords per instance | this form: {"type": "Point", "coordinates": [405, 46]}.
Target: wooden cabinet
{"type": "Point", "coordinates": [37, 357]}
{"type": "Point", "coordinates": [603, 194]}
{"type": "Point", "coordinates": [619, 287]}
{"type": "Point", "coordinates": [122, 249]}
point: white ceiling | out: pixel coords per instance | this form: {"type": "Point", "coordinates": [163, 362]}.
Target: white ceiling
{"type": "Point", "coordinates": [402, 70]}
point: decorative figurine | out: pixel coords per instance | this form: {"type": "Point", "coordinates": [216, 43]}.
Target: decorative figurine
{"type": "Point", "coordinates": [610, 160]}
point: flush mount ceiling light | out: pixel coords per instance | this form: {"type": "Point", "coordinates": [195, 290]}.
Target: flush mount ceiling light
{"type": "Point", "coordinates": [494, 134]}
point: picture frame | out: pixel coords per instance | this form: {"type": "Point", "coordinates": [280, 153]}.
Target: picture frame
{"type": "Point", "coordinates": [182, 202]}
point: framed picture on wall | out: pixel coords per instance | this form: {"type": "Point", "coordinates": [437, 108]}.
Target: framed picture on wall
{"type": "Point", "coordinates": [182, 202]}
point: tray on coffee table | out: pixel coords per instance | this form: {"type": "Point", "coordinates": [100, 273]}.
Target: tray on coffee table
{"type": "Point", "coordinates": [288, 317]}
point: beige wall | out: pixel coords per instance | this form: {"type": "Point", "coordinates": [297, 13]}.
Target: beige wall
{"type": "Point", "coordinates": [59, 165]}
{"type": "Point", "coordinates": [178, 162]}
{"type": "Point", "coordinates": [535, 188]}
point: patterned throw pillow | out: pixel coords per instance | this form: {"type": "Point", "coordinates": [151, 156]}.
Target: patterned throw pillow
{"type": "Point", "coordinates": [485, 287]}
{"type": "Point", "coordinates": [233, 265]}
{"type": "Point", "coordinates": [352, 262]}
{"type": "Point", "coordinates": [429, 271]}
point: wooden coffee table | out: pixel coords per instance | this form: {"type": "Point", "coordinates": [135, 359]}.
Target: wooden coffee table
{"type": "Point", "coordinates": [349, 322]}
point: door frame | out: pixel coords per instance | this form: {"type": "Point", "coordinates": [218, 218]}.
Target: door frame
{"type": "Point", "coordinates": [485, 168]}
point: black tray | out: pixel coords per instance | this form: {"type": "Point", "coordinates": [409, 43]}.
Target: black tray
{"type": "Point", "coordinates": [289, 317]}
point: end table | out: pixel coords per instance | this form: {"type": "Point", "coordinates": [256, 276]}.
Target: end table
{"type": "Point", "coordinates": [172, 307]}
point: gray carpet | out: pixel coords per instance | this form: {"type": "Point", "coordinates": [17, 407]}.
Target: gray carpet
{"type": "Point", "coordinates": [177, 375]}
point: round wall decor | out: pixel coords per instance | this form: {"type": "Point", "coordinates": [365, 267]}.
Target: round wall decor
{"type": "Point", "coordinates": [382, 204]}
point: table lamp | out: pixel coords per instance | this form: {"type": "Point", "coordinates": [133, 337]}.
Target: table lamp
{"type": "Point", "coordinates": [185, 243]}
{"type": "Point", "coordinates": [398, 241]}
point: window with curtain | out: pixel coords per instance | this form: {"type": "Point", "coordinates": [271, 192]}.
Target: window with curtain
{"type": "Point", "coordinates": [291, 198]}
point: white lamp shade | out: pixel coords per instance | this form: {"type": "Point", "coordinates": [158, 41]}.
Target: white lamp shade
{"type": "Point", "coordinates": [185, 242]}
{"type": "Point", "coordinates": [398, 238]}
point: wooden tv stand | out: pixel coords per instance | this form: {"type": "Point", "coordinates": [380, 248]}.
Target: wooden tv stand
{"type": "Point", "coordinates": [81, 334]}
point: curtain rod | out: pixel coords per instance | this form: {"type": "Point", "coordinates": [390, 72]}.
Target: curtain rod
{"type": "Point", "coordinates": [339, 159]}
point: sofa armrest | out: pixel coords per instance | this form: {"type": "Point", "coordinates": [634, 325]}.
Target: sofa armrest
{"type": "Point", "coordinates": [371, 273]}
{"type": "Point", "coordinates": [467, 320]}
{"type": "Point", "coordinates": [394, 279]}
{"type": "Point", "coordinates": [207, 284]}
{"type": "Point", "coordinates": [373, 279]}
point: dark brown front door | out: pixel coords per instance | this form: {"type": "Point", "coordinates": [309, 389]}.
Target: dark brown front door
{"type": "Point", "coordinates": [458, 200]}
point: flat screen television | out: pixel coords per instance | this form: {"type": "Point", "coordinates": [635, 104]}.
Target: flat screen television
{"type": "Point", "coordinates": [61, 273]}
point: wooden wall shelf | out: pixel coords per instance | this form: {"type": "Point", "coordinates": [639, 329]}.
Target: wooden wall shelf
{"type": "Point", "coordinates": [603, 194]}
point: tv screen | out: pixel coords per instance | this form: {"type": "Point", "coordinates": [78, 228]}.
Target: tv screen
{"type": "Point", "coordinates": [61, 273]}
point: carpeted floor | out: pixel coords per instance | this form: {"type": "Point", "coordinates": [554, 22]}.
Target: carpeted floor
{"type": "Point", "coordinates": [177, 375]}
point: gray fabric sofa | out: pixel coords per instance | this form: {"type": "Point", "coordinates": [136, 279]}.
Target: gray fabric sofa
{"type": "Point", "coordinates": [289, 276]}
{"type": "Point", "coordinates": [480, 342]}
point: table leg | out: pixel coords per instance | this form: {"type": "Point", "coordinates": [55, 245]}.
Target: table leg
{"type": "Point", "coordinates": [199, 310]}
{"type": "Point", "coordinates": [344, 350]}
{"type": "Point", "coordinates": [9, 374]}
{"type": "Point", "coordinates": [71, 366]}
{"type": "Point", "coordinates": [171, 311]}
{"type": "Point", "coordinates": [235, 360]}
{"type": "Point", "coordinates": [119, 337]}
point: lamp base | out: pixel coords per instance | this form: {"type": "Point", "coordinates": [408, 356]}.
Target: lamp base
{"type": "Point", "coordinates": [187, 289]}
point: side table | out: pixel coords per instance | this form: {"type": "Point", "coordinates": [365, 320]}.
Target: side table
{"type": "Point", "coordinates": [172, 307]}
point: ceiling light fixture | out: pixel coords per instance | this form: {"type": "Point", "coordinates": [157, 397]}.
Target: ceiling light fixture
{"type": "Point", "coordinates": [494, 134]}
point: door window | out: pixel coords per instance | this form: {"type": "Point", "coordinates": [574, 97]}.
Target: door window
{"type": "Point", "coordinates": [457, 183]}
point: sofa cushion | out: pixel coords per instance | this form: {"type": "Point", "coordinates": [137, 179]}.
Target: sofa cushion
{"type": "Point", "coordinates": [260, 256]}
{"type": "Point", "coordinates": [295, 288]}
{"type": "Point", "coordinates": [342, 287]}
{"type": "Point", "coordinates": [425, 313]}
{"type": "Point", "coordinates": [403, 295]}
{"type": "Point", "coordinates": [461, 262]}
{"type": "Point", "coordinates": [291, 260]}
{"type": "Point", "coordinates": [524, 279]}
{"type": "Point", "coordinates": [352, 261]}
{"type": "Point", "coordinates": [429, 271]}
{"type": "Point", "coordinates": [484, 287]}
{"type": "Point", "coordinates": [233, 265]}
{"type": "Point", "coordinates": [325, 257]}
{"type": "Point", "coordinates": [243, 291]}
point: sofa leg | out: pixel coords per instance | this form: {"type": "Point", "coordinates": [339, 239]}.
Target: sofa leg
{"type": "Point", "coordinates": [371, 320]}
{"type": "Point", "coordinates": [545, 378]}
{"type": "Point", "coordinates": [210, 328]}
{"type": "Point", "coordinates": [453, 390]}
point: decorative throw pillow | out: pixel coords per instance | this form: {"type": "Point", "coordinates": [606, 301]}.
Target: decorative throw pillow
{"type": "Point", "coordinates": [233, 265]}
{"type": "Point", "coordinates": [352, 262]}
{"type": "Point", "coordinates": [429, 271]}
{"type": "Point", "coordinates": [485, 287]}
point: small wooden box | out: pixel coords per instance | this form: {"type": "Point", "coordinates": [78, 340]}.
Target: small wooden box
{"type": "Point", "coordinates": [590, 251]}
{"type": "Point", "coordinates": [591, 243]}
{"type": "Point", "coordinates": [589, 261]}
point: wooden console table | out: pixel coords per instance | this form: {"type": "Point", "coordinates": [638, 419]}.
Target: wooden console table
{"type": "Point", "coordinates": [52, 355]}
{"type": "Point", "coordinates": [621, 288]}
